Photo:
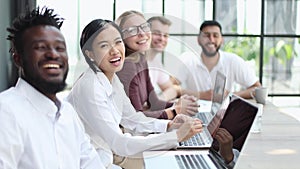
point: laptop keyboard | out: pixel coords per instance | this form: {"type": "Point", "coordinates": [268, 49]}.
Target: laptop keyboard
{"type": "Point", "coordinates": [203, 117]}
{"type": "Point", "coordinates": [192, 161]}
{"type": "Point", "coordinates": [199, 139]}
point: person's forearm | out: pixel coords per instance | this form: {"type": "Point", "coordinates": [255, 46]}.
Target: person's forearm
{"type": "Point", "coordinates": [190, 92]}
{"type": "Point", "coordinates": [246, 93]}
{"type": "Point", "coordinates": [168, 94]}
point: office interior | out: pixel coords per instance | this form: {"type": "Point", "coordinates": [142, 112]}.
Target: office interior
{"type": "Point", "coordinates": [266, 33]}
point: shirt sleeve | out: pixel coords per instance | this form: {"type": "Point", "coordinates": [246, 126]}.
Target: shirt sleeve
{"type": "Point", "coordinates": [89, 158]}
{"type": "Point", "coordinates": [12, 147]}
{"type": "Point", "coordinates": [245, 75]}
{"type": "Point", "coordinates": [91, 102]}
{"type": "Point", "coordinates": [236, 154]}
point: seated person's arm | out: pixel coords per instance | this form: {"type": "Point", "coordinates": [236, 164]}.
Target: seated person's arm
{"type": "Point", "coordinates": [169, 91]}
{"type": "Point", "coordinates": [246, 93]}
{"type": "Point", "coordinates": [174, 80]}
{"type": "Point", "coordinates": [205, 95]}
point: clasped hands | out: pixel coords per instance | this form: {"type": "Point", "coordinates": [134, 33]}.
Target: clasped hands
{"type": "Point", "coordinates": [186, 105]}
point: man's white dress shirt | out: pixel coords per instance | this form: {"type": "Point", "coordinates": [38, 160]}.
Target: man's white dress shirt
{"type": "Point", "coordinates": [35, 134]}
{"type": "Point", "coordinates": [103, 106]}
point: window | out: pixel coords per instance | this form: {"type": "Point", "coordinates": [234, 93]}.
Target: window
{"type": "Point", "coordinates": [263, 32]}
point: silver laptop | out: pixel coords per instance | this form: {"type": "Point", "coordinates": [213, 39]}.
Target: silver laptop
{"type": "Point", "coordinates": [236, 115]}
{"type": "Point", "coordinates": [205, 139]}
{"type": "Point", "coordinates": [237, 119]}
{"type": "Point", "coordinates": [198, 159]}
{"type": "Point", "coordinates": [208, 108]}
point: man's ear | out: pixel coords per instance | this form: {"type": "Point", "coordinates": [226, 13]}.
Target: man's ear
{"type": "Point", "coordinates": [17, 59]}
{"type": "Point", "coordinates": [198, 39]}
{"type": "Point", "coordinates": [222, 42]}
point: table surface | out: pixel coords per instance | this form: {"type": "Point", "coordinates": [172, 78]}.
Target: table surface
{"type": "Point", "coordinates": [276, 146]}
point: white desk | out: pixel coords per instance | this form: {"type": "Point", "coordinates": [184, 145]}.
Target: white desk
{"type": "Point", "coordinates": [276, 147]}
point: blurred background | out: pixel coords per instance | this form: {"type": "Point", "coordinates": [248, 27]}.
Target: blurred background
{"type": "Point", "coordinates": [266, 33]}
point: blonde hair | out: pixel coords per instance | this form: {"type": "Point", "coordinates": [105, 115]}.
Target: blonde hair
{"type": "Point", "coordinates": [125, 16]}
{"type": "Point", "coordinates": [129, 54]}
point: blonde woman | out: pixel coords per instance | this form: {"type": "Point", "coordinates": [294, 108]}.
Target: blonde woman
{"type": "Point", "coordinates": [135, 73]}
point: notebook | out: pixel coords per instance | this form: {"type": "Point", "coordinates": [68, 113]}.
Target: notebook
{"type": "Point", "coordinates": [239, 115]}
{"type": "Point", "coordinates": [209, 108]}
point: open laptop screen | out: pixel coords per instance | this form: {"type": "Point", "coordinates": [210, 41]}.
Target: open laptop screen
{"type": "Point", "coordinates": [238, 120]}
{"type": "Point", "coordinates": [215, 123]}
{"type": "Point", "coordinates": [218, 93]}
{"type": "Point", "coordinates": [219, 88]}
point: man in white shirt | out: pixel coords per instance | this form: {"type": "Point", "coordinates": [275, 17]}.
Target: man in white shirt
{"type": "Point", "coordinates": [160, 34]}
{"type": "Point", "coordinates": [160, 78]}
{"type": "Point", "coordinates": [200, 71]}
{"type": "Point", "coordinates": [37, 129]}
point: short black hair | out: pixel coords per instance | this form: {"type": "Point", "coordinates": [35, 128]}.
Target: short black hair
{"type": "Point", "coordinates": [210, 23]}
{"type": "Point", "coordinates": [38, 16]}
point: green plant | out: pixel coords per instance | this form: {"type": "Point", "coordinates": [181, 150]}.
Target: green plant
{"type": "Point", "coordinates": [248, 49]}
{"type": "Point", "coordinates": [282, 50]}
{"type": "Point", "coordinates": [245, 47]}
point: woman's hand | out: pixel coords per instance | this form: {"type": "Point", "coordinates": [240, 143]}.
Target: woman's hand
{"type": "Point", "coordinates": [189, 128]}
{"type": "Point", "coordinates": [178, 121]}
{"type": "Point", "coordinates": [187, 105]}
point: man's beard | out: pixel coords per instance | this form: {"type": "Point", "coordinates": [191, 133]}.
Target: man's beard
{"type": "Point", "coordinates": [210, 54]}
{"type": "Point", "coordinates": [45, 87]}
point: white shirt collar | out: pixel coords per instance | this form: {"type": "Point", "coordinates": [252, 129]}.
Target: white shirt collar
{"type": "Point", "coordinates": [105, 82]}
{"type": "Point", "coordinates": [38, 100]}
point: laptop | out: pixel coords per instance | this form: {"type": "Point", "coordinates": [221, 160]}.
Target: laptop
{"type": "Point", "coordinates": [239, 115]}
{"type": "Point", "coordinates": [236, 115]}
{"type": "Point", "coordinates": [238, 119]}
{"type": "Point", "coordinates": [205, 139]}
{"type": "Point", "coordinates": [208, 108]}
{"type": "Point", "coordinates": [197, 159]}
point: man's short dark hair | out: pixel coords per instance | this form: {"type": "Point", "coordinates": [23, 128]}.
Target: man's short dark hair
{"type": "Point", "coordinates": [210, 23]}
{"type": "Point", "coordinates": [43, 16]}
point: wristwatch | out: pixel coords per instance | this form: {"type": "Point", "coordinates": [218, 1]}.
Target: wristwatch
{"type": "Point", "coordinates": [174, 112]}
{"type": "Point", "coordinates": [230, 165]}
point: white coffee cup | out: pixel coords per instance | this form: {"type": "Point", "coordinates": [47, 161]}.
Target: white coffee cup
{"type": "Point", "coordinates": [260, 94]}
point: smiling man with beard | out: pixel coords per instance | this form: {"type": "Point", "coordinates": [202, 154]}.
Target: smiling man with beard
{"type": "Point", "coordinates": [37, 129]}
{"type": "Point", "coordinates": [200, 71]}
